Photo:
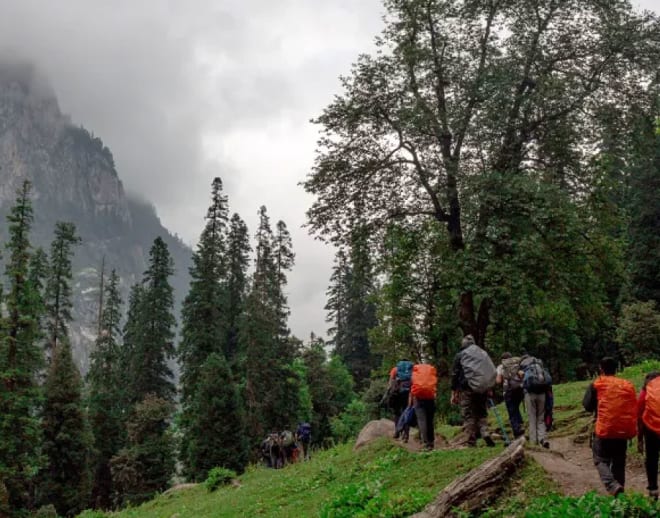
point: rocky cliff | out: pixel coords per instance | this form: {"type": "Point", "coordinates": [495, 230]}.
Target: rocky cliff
{"type": "Point", "coordinates": [74, 179]}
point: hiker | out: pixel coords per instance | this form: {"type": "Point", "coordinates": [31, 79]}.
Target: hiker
{"type": "Point", "coordinates": [473, 377]}
{"type": "Point", "coordinates": [288, 447]}
{"type": "Point", "coordinates": [271, 451]}
{"type": "Point", "coordinates": [648, 429]}
{"type": "Point", "coordinates": [613, 400]}
{"type": "Point", "coordinates": [304, 438]}
{"type": "Point", "coordinates": [536, 383]}
{"type": "Point", "coordinates": [398, 394]}
{"type": "Point", "coordinates": [423, 390]}
{"type": "Point", "coordinates": [508, 375]}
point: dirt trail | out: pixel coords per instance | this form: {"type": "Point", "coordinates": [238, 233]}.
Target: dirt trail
{"type": "Point", "coordinates": [571, 466]}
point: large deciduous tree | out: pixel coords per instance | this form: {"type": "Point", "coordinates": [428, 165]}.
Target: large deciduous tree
{"type": "Point", "coordinates": [478, 115]}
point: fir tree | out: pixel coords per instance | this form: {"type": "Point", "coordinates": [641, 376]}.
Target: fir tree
{"type": "Point", "coordinates": [153, 329]}
{"type": "Point", "coordinates": [216, 427]}
{"type": "Point", "coordinates": [105, 394]}
{"type": "Point", "coordinates": [20, 360]}
{"type": "Point", "coordinates": [238, 260]}
{"type": "Point", "coordinates": [65, 481]}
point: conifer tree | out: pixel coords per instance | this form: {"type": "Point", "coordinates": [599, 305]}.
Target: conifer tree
{"type": "Point", "coordinates": [20, 360]}
{"type": "Point", "coordinates": [238, 260]}
{"type": "Point", "coordinates": [152, 329]}
{"type": "Point", "coordinates": [105, 394]}
{"type": "Point", "coordinates": [65, 481]}
{"type": "Point", "coordinates": [216, 423]}
{"type": "Point", "coordinates": [203, 331]}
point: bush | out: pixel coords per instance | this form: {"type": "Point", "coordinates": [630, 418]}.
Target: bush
{"type": "Point", "coordinates": [638, 333]}
{"type": "Point", "coordinates": [219, 477]}
{"type": "Point", "coordinates": [363, 501]}
{"type": "Point", "coordinates": [592, 504]}
{"type": "Point", "coordinates": [348, 424]}
{"type": "Point", "coordinates": [46, 511]}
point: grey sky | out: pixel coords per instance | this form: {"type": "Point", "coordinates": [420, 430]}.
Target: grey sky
{"type": "Point", "coordinates": [185, 91]}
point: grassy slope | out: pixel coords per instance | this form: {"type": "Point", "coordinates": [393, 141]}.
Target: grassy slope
{"type": "Point", "coordinates": [381, 480]}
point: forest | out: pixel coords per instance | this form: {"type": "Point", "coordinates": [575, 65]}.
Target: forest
{"type": "Point", "coordinates": [493, 169]}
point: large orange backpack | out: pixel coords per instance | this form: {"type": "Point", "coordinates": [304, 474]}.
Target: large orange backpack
{"type": "Point", "coordinates": [651, 416]}
{"type": "Point", "coordinates": [617, 408]}
{"type": "Point", "coordinates": [424, 381]}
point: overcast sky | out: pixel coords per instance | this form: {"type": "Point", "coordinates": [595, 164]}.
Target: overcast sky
{"type": "Point", "coordinates": [185, 91]}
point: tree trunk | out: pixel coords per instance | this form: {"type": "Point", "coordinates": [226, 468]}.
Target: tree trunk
{"type": "Point", "coordinates": [472, 491]}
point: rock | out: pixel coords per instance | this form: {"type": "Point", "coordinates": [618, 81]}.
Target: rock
{"type": "Point", "coordinates": [374, 430]}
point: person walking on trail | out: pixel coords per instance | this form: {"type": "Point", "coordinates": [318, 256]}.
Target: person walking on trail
{"type": "Point", "coordinates": [424, 388]}
{"type": "Point", "coordinates": [304, 438]}
{"type": "Point", "coordinates": [398, 392]}
{"type": "Point", "coordinates": [615, 405]}
{"type": "Point", "coordinates": [508, 375]}
{"type": "Point", "coordinates": [536, 383]}
{"type": "Point", "coordinates": [648, 429]}
{"type": "Point", "coordinates": [473, 378]}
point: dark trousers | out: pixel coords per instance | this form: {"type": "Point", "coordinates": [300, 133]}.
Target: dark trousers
{"type": "Point", "coordinates": [512, 400]}
{"type": "Point", "coordinates": [652, 453]}
{"type": "Point", "coordinates": [610, 461]}
{"type": "Point", "coordinates": [425, 413]}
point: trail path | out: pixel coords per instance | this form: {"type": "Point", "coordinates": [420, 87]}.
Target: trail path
{"type": "Point", "coordinates": [571, 466]}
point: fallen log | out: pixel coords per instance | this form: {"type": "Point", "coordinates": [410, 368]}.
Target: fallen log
{"type": "Point", "coordinates": [470, 492]}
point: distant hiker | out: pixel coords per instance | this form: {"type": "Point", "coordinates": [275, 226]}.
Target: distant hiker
{"type": "Point", "coordinates": [509, 376]}
{"type": "Point", "coordinates": [613, 400]}
{"type": "Point", "coordinates": [398, 392]}
{"type": "Point", "coordinates": [473, 378]}
{"type": "Point", "coordinates": [304, 438]}
{"type": "Point", "coordinates": [423, 390]}
{"type": "Point", "coordinates": [271, 451]}
{"type": "Point", "coordinates": [289, 447]}
{"type": "Point", "coordinates": [648, 429]}
{"type": "Point", "coordinates": [536, 383]}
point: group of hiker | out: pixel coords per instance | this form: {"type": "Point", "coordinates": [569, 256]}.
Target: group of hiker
{"type": "Point", "coordinates": [621, 416]}
{"type": "Point", "coordinates": [280, 449]}
{"type": "Point", "coordinates": [412, 389]}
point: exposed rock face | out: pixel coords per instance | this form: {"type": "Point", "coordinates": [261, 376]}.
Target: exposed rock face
{"type": "Point", "coordinates": [74, 179]}
{"type": "Point", "coordinates": [374, 430]}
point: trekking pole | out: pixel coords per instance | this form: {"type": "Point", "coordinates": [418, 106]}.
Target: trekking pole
{"type": "Point", "coordinates": [499, 421]}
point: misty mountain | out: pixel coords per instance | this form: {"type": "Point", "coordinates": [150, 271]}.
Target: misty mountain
{"type": "Point", "coordinates": [74, 179]}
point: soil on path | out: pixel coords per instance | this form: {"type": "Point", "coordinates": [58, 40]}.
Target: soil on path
{"type": "Point", "coordinates": [571, 465]}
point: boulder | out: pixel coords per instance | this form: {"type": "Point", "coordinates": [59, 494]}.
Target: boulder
{"type": "Point", "coordinates": [374, 430]}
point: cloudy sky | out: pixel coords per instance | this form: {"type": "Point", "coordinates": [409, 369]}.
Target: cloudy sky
{"type": "Point", "coordinates": [185, 91]}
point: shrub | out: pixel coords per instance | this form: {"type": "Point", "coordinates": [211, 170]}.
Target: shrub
{"type": "Point", "coordinates": [46, 511]}
{"type": "Point", "coordinates": [592, 504]}
{"type": "Point", "coordinates": [638, 332]}
{"type": "Point", "coordinates": [219, 477]}
{"type": "Point", "coordinates": [348, 424]}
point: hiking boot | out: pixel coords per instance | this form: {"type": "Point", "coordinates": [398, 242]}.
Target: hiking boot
{"type": "Point", "coordinates": [653, 494]}
{"type": "Point", "coordinates": [545, 444]}
{"type": "Point", "coordinates": [617, 490]}
{"type": "Point", "coordinates": [489, 442]}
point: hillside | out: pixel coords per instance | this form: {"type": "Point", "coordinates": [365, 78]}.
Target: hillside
{"type": "Point", "coordinates": [387, 480]}
{"type": "Point", "coordinates": [74, 179]}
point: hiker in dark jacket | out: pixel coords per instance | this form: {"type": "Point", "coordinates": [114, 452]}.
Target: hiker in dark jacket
{"type": "Point", "coordinates": [474, 406]}
{"type": "Point", "coordinates": [613, 401]}
{"type": "Point", "coordinates": [397, 395]}
{"type": "Point", "coordinates": [513, 391]}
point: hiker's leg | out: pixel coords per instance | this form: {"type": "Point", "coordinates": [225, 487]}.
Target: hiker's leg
{"type": "Point", "coordinates": [469, 423]}
{"type": "Point", "coordinates": [619, 460]}
{"type": "Point", "coordinates": [540, 417]}
{"type": "Point", "coordinates": [512, 400]}
{"type": "Point", "coordinates": [420, 413]}
{"type": "Point", "coordinates": [651, 462]}
{"type": "Point", "coordinates": [603, 463]}
{"type": "Point", "coordinates": [481, 411]}
{"type": "Point", "coordinates": [530, 405]}
{"type": "Point", "coordinates": [430, 426]}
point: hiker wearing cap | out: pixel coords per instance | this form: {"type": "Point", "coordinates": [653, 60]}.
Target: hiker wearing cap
{"type": "Point", "coordinates": [423, 391]}
{"type": "Point", "coordinates": [536, 381]}
{"type": "Point", "coordinates": [615, 405]}
{"type": "Point", "coordinates": [473, 377]}
{"type": "Point", "coordinates": [508, 375]}
{"type": "Point", "coordinates": [648, 429]}
{"type": "Point", "coordinates": [398, 393]}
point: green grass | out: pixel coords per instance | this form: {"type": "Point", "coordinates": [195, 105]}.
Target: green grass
{"type": "Point", "coordinates": [380, 480]}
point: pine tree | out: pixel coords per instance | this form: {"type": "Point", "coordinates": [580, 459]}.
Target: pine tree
{"type": "Point", "coordinates": [20, 360]}
{"type": "Point", "coordinates": [284, 260]}
{"type": "Point", "coordinates": [238, 260]}
{"type": "Point", "coordinates": [152, 329]}
{"type": "Point", "coordinates": [106, 395]}
{"type": "Point", "coordinates": [203, 329]}
{"type": "Point", "coordinates": [65, 481]}
{"type": "Point", "coordinates": [337, 302]}
{"type": "Point", "coordinates": [216, 427]}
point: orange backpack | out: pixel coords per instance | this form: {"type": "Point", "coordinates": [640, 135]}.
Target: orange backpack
{"type": "Point", "coordinates": [617, 408]}
{"type": "Point", "coordinates": [651, 416]}
{"type": "Point", "coordinates": [424, 381]}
